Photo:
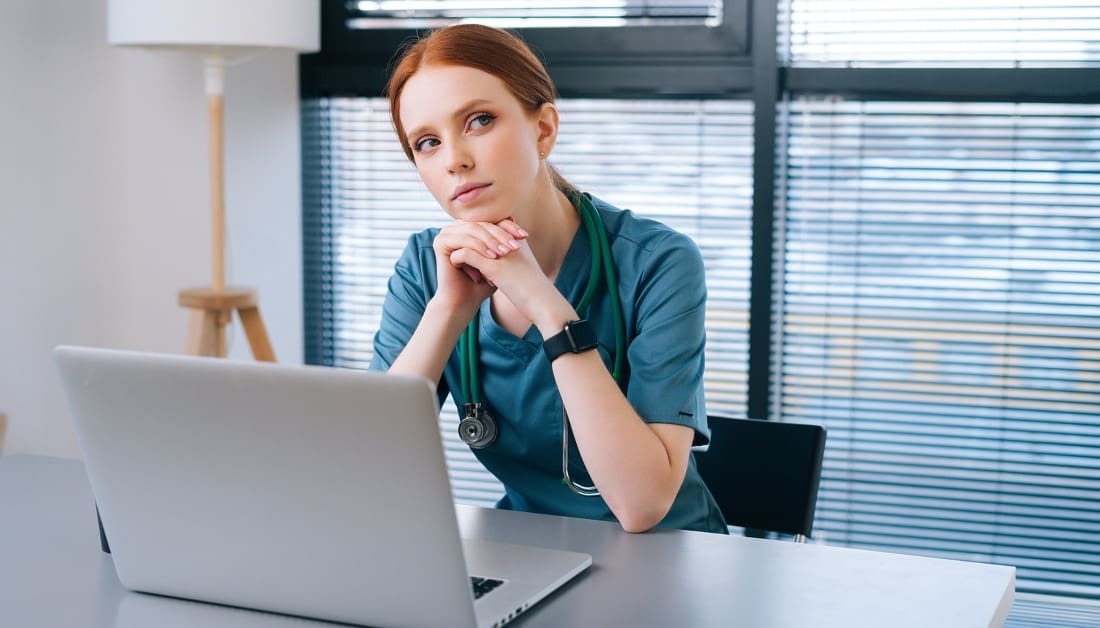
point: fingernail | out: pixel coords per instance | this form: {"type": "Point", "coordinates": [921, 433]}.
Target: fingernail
{"type": "Point", "coordinates": [522, 232]}
{"type": "Point", "coordinates": [514, 245]}
{"type": "Point", "coordinates": [503, 249]}
{"type": "Point", "coordinates": [490, 253]}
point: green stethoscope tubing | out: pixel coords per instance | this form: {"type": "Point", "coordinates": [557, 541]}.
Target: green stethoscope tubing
{"type": "Point", "coordinates": [602, 267]}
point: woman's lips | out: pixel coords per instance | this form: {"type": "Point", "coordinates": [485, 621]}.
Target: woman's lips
{"type": "Point", "coordinates": [467, 194]}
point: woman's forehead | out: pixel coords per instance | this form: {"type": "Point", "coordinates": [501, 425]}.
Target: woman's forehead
{"type": "Point", "coordinates": [436, 90]}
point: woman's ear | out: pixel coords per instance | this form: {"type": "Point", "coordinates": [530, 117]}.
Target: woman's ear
{"type": "Point", "coordinates": [546, 124]}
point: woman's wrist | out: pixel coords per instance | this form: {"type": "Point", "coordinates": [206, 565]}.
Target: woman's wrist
{"type": "Point", "coordinates": [551, 320]}
{"type": "Point", "coordinates": [453, 318]}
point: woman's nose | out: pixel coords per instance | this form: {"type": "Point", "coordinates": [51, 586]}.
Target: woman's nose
{"type": "Point", "coordinates": [458, 158]}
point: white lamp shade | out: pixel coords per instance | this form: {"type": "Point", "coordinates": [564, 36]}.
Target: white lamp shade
{"type": "Point", "coordinates": [215, 24]}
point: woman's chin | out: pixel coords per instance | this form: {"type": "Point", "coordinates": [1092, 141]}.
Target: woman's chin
{"type": "Point", "coordinates": [477, 214]}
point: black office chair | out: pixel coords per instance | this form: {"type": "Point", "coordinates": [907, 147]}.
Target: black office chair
{"type": "Point", "coordinates": [764, 474]}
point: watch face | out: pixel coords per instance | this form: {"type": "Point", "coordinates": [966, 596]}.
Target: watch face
{"type": "Point", "coordinates": [581, 335]}
{"type": "Point", "coordinates": [575, 337]}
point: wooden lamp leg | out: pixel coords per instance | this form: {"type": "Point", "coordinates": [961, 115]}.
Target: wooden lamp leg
{"type": "Point", "coordinates": [202, 334]}
{"type": "Point", "coordinates": [211, 312]}
{"type": "Point", "coordinates": [254, 328]}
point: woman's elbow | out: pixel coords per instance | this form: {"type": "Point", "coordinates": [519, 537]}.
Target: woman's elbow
{"type": "Point", "coordinates": [646, 509]}
{"type": "Point", "coordinates": [640, 520]}
{"type": "Point", "coordinates": [636, 527]}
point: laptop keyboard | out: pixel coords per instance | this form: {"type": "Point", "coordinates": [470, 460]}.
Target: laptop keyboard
{"type": "Point", "coordinates": [483, 585]}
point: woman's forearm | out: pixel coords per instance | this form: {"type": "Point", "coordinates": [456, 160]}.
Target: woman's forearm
{"type": "Point", "coordinates": [431, 344]}
{"type": "Point", "coordinates": [638, 467]}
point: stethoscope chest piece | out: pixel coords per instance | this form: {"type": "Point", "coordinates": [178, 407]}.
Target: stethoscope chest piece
{"type": "Point", "coordinates": [477, 428]}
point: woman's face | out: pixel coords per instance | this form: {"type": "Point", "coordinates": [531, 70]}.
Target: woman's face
{"type": "Point", "coordinates": [475, 147]}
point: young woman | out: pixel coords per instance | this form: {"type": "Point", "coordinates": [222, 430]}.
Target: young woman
{"type": "Point", "coordinates": [578, 370]}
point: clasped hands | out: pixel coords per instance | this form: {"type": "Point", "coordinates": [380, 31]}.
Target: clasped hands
{"type": "Point", "coordinates": [474, 259]}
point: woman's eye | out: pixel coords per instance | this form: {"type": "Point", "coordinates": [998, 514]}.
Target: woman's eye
{"type": "Point", "coordinates": [481, 120]}
{"type": "Point", "coordinates": [426, 144]}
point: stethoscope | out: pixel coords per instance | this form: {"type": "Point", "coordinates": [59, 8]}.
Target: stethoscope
{"type": "Point", "coordinates": [478, 428]}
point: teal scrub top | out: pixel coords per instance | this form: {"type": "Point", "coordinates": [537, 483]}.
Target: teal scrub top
{"type": "Point", "coordinates": [663, 294]}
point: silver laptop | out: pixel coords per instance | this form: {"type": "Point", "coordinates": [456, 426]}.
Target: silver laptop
{"type": "Point", "coordinates": [309, 491]}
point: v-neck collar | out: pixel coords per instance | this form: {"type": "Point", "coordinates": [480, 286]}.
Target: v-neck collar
{"type": "Point", "coordinates": [571, 281]}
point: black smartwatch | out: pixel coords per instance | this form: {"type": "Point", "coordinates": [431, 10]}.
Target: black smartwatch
{"type": "Point", "coordinates": [577, 337]}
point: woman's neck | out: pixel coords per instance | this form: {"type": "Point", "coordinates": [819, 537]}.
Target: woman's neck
{"type": "Point", "coordinates": [553, 225]}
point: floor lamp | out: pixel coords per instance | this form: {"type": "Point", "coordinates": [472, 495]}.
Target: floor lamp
{"type": "Point", "coordinates": [221, 31]}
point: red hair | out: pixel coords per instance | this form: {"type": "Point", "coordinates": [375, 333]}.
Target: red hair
{"type": "Point", "coordinates": [491, 50]}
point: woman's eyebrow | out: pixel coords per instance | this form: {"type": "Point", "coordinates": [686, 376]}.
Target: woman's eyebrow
{"type": "Point", "coordinates": [458, 114]}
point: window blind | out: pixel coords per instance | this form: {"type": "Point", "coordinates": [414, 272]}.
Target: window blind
{"type": "Point", "coordinates": [1042, 612]}
{"type": "Point", "coordinates": [686, 163]}
{"type": "Point", "coordinates": [941, 315]}
{"type": "Point", "coordinates": [532, 14]}
{"type": "Point", "coordinates": [974, 33]}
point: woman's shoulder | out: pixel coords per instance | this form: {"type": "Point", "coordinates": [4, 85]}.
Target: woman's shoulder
{"type": "Point", "coordinates": [627, 228]}
{"type": "Point", "coordinates": [422, 238]}
{"type": "Point", "coordinates": [419, 245]}
{"type": "Point", "coordinates": [416, 262]}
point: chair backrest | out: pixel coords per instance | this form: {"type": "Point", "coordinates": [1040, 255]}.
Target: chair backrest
{"type": "Point", "coordinates": [764, 474]}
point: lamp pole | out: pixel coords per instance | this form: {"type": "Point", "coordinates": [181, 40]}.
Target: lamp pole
{"type": "Point", "coordinates": [214, 71]}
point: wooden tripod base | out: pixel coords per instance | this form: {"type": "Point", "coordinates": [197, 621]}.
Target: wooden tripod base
{"type": "Point", "coordinates": [211, 313]}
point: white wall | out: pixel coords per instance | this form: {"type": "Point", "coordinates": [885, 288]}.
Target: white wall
{"type": "Point", "coordinates": [104, 202]}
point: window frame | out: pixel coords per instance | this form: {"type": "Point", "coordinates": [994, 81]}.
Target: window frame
{"type": "Point", "coordinates": [630, 61]}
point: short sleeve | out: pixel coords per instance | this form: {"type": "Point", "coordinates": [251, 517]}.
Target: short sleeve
{"type": "Point", "coordinates": [666, 354]}
{"type": "Point", "coordinates": [407, 293]}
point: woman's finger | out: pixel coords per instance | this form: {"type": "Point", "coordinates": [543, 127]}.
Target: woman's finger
{"type": "Point", "coordinates": [461, 259]}
{"type": "Point", "coordinates": [509, 225]}
{"type": "Point", "coordinates": [505, 242]}
{"type": "Point", "coordinates": [494, 240]}
{"type": "Point", "coordinates": [475, 240]}
{"type": "Point", "coordinates": [473, 273]}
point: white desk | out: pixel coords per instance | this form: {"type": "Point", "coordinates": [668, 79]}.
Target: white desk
{"type": "Point", "coordinates": [52, 573]}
